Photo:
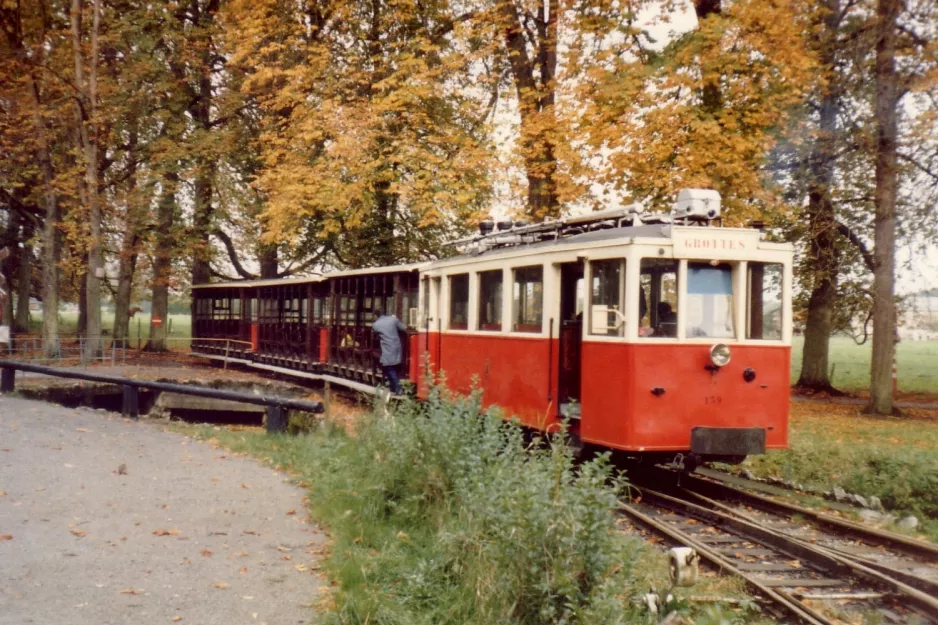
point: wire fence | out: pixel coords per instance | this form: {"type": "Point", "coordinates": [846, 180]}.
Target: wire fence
{"type": "Point", "coordinates": [69, 350]}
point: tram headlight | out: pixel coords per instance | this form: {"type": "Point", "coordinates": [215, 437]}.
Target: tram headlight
{"type": "Point", "coordinates": [720, 355]}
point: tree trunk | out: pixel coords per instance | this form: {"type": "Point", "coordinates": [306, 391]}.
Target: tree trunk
{"type": "Point", "coordinates": [88, 133]}
{"type": "Point", "coordinates": [201, 111]}
{"type": "Point", "coordinates": [125, 283]}
{"type": "Point", "coordinates": [162, 264]}
{"type": "Point", "coordinates": [822, 218]}
{"type": "Point", "coordinates": [24, 280]}
{"type": "Point", "coordinates": [82, 328]}
{"type": "Point", "coordinates": [8, 253]}
{"type": "Point", "coordinates": [534, 80]}
{"type": "Point", "coordinates": [268, 262]}
{"type": "Point", "coordinates": [128, 255]}
{"type": "Point", "coordinates": [51, 236]}
{"type": "Point", "coordinates": [884, 304]}
{"type": "Point", "coordinates": [201, 220]}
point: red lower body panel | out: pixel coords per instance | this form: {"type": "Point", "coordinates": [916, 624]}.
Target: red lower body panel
{"type": "Point", "coordinates": [512, 371]}
{"type": "Point", "coordinates": [618, 408]}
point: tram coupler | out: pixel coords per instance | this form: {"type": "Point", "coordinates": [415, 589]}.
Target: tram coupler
{"type": "Point", "coordinates": [686, 463]}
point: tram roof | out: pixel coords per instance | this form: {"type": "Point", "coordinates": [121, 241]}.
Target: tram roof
{"type": "Point", "coordinates": [644, 231]}
{"type": "Point", "coordinates": [312, 279]}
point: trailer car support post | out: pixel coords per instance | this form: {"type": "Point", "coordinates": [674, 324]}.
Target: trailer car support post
{"type": "Point", "coordinates": [7, 380]}
{"type": "Point", "coordinates": [131, 403]}
{"type": "Point", "coordinates": [276, 419]}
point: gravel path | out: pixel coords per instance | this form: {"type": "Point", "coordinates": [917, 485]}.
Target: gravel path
{"type": "Point", "coordinates": [106, 521]}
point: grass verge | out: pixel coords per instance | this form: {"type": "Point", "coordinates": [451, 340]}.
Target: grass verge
{"type": "Point", "coordinates": [895, 459]}
{"type": "Point", "coordinates": [443, 514]}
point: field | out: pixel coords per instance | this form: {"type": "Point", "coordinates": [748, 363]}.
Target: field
{"type": "Point", "coordinates": [179, 326]}
{"type": "Point", "coordinates": [917, 361]}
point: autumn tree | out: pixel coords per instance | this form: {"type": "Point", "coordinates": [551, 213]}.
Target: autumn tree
{"type": "Point", "coordinates": [369, 130]}
{"type": "Point", "coordinates": [33, 39]}
{"type": "Point", "coordinates": [703, 111]}
{"type": "Point", "coordinates": [906, 60]}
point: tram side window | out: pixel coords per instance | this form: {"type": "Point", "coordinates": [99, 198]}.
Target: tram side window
{"type": "Point", "coordinates": [528, 299]}
{"type": "Point", "coordinates": [236, 308]}
{"type": "Point", "coordinates": [220, 308]}
{"type": "Point", "coordinates": [657, 306]}
{"type": "Point", "coordinates": [317, 311]}
{"type": "Point", "coordinates": [764, 319]}
{"type": "Point", "coordinates": [607, 309]}
{"type": "Point", "coordinates": [459, 302]}
{"type": "Point", "coordinates": [710, 308]}
{"type": "Point", "coordinates": [490, 300]}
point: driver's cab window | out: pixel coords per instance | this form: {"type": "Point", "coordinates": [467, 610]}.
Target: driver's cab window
{"type": "Point", "coordinates": [710, 308]}
{"type": "Point", "coordinates": [657, 305]}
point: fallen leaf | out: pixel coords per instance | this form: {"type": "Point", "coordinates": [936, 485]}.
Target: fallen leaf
{"type": "Point", "coordinates": [81, 430]}
{"type": "Point", "coordinates": [282, 548]}
{"type": "Point", "coordinates": [176, 619]}
{"type": "Point", "coordinates": [285, 557]}
{"type": "Point", "coordinates": [3, 493]}
{"type": "Point", "coordinates": [291, 512]}
{"type": "Point", "coordinates": [243, 485]}
{"type": "Point", "coordinates": [165, 532]}
{"type": "Point", "coordinates": [251, 532]}
{"type": "Point", "coordinates": [220, 585]}
{"type": "Point", "coordinates": [6, 536]}
{"type": "Point", "coordinates": [301, 568]}
{"type": "Point", "coordinates": [207, 553]}
{"type": "Point", "coordinates": [244, 570]}
{"type": "Point", "coordinates": [242, 554]}
{"type": "Point", "coordinates": [79, 533]}
{"type": "Point", "coordinates": [131, 591]}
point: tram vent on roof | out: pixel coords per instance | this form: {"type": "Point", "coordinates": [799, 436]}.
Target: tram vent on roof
{"type": "Point", "coordinates": [693, 207]}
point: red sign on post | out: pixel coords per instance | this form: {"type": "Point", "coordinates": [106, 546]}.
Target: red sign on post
{"type": "Point", "coordinates": [157, 321]}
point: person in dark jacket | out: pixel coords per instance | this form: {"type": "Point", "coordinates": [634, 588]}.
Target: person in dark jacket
{"type": "Point", "coordinates": [389, 328]}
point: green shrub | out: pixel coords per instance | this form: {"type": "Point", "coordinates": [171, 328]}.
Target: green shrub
{"type": "Point", "coordinates": [501, 531]}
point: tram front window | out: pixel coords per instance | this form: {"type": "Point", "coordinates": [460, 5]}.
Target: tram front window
{"type": "Point", "coordinates": [657, 307]}
{"type": "Point", "coordinates": [709, 301]}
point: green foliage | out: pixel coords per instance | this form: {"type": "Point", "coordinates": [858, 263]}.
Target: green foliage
{"type": "Point", "coordinates": [441, 513]}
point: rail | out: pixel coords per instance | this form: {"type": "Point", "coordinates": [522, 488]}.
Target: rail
{"type": "Point", "coordinates": [277, 407]}
{"type": "Point", "coordinates": [780, 558]}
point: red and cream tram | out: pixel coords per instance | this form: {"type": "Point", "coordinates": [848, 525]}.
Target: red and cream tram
{"type": "Point", "coordinates": [652, 335]}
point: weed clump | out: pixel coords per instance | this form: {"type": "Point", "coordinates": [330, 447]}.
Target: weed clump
{"type": "Point", "coordinates": [443, 513]}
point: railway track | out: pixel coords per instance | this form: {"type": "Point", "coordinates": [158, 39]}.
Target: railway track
{"type": "Point", "coordinates": [810, 567]}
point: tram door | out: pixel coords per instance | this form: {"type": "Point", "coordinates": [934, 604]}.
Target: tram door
{"type": "Point", "coordinates": [572, 302]}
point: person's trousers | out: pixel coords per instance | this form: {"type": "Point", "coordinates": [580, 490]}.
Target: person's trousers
{"type": "Point", "coordinates": [390, 374]}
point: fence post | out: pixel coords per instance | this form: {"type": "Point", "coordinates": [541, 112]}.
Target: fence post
{"type": "Point", "coordinates": [7, 380]}
{"type": "Point", "coordinates": [227, 345]}
{"type": "Point", "coordinates": [131, 403]}
{"type": "Point", "coordinates": [276, 419]}
{"type": "Point", "coordinates": [326, 399]}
